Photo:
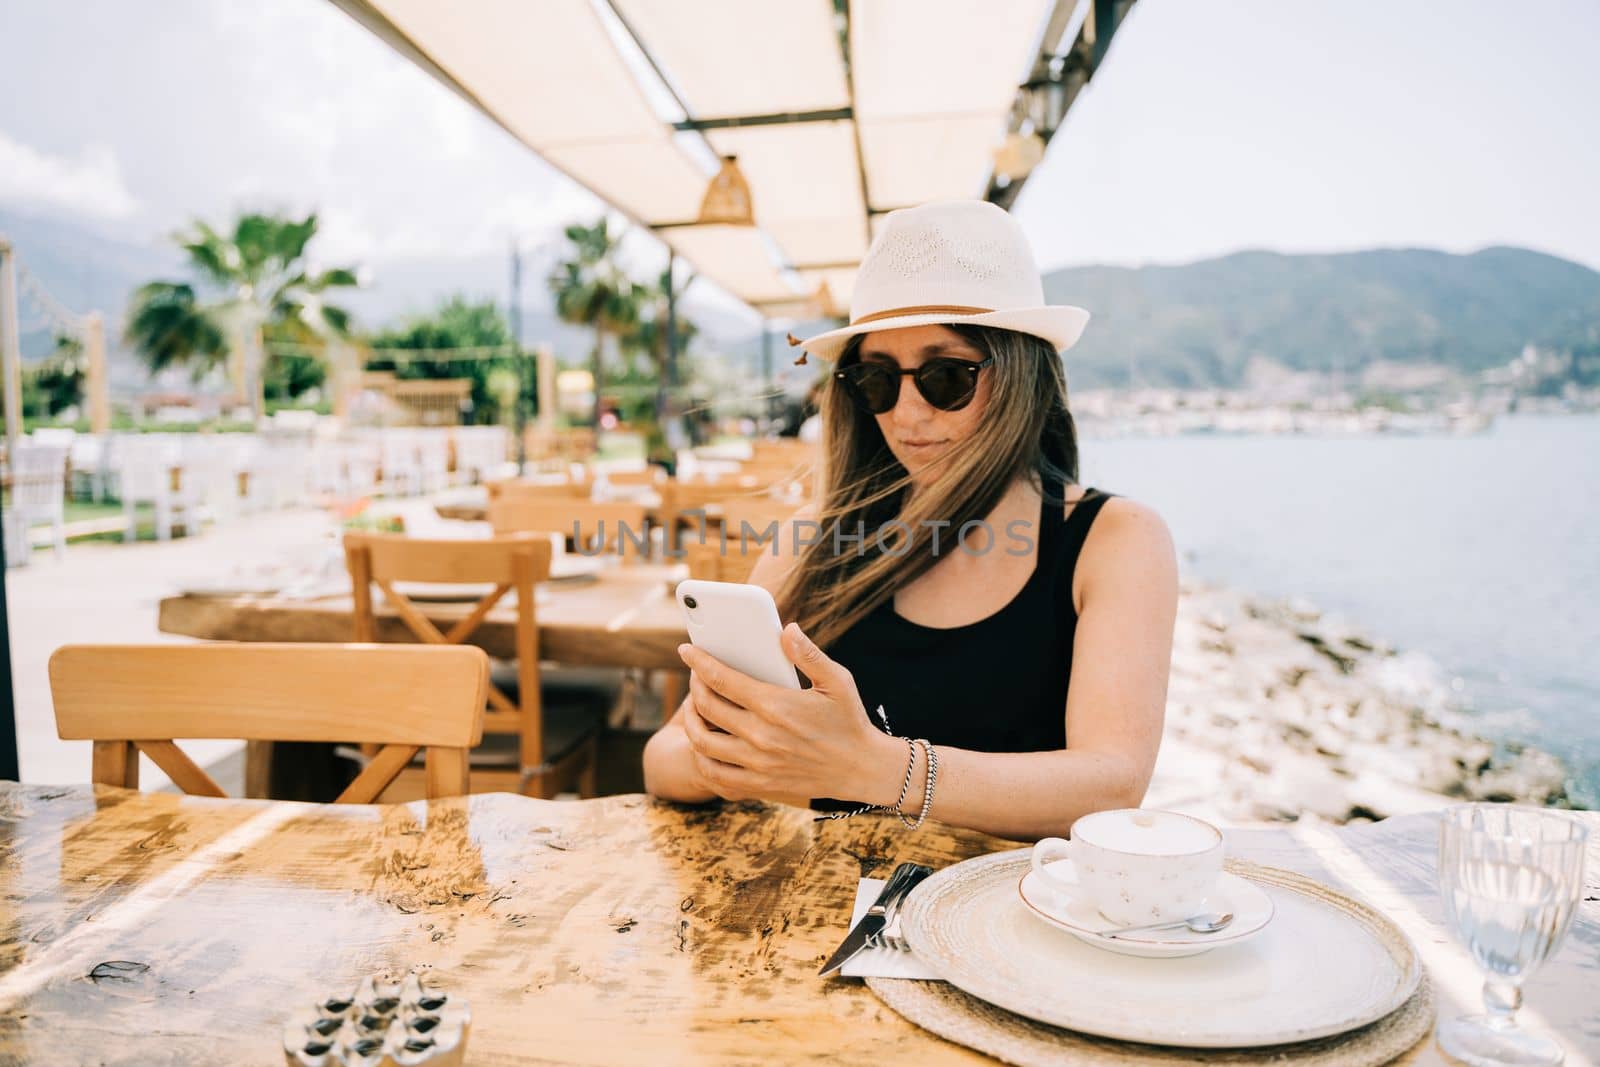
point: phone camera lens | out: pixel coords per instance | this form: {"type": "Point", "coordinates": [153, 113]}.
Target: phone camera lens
{"type": "Point", "coordinates": [689, 602]}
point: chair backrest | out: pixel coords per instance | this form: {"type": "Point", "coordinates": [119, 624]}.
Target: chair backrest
{"type": "Point", "coordinates": [512, 564]}
{"type": "Point", "coordinates": [90, 451]}
{"type": "Point", "coordinates": [480, 449]}
{"type": "Point", "coordinates": [613, 526]}
{"type": "Point", "coordinates": [758, 514]}
{"type": "Point", "coordinates": [786, 450]}
{"type": "Point", "coordinates": [149, 466]}
{"type": "Point", "coordinates": [693, 494]}
{"type": "Point", "coordinates": [54, 435]}
{"type": "Point", "coordinates": [539, 490]}
{"type": "Point", "coordinates": [129, 699]}
{"type": "Point", "coordinates": [39, 476]}
{"type": "Point", "coordinates": [767, 475]}
{"type": "Point", "coordinates": [651, 477]}
{"type": "Point", "coordinates": [750, 525]}
{"type": "Point", "coordinates": [711, 563]}
{"type": "Point", "coordinates": [433, 448]}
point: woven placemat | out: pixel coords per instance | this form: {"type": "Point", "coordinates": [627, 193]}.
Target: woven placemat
{"type": "Point", "coordinates": [942, 1009]}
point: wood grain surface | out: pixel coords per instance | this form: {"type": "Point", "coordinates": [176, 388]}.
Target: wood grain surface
{"type": "Point", "coordinates": [626, 618]}
{"type": "Point", "coordinates": [153, 928]}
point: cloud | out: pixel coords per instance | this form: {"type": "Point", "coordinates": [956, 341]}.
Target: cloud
{"type": "Point", "coordinates": [90, 185]}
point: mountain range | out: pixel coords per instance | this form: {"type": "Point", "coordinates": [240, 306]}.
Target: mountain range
{"type": "Point", "coordinates": [1203, 323]}
{"type": "Point", "coordinates": [1196, 325]}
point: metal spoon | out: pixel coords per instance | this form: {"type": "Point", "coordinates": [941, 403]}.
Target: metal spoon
{"type": "Point", "coordinates": [1208, 923]}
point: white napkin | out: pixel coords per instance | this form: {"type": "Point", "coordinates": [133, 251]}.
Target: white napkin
{"type": "Point", "coordinates": [879, 962]}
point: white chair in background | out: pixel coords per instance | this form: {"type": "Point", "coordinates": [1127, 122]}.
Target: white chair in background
{"type": "Point", "coordinates": [433, 458]}
{"type": "Point", "coordinates": [481, 453]}
{"type": "Point", "coordinates": [150, 468]}
{"type": "Point", "coordinates": [54, 435]}
{"type": "Point", "coordinates": [325, 474]}
{"type": "Point", "coordinates": [343, 469]}
{"type": "Point", "coordinates": [282, 476]}
{"type": "Point", "coordinates": [359, 461]}
{"type": "Point", "coordinates": [242, 475]}
{"type": "Point", "coordinates": [254, 471]}
{"type": "Point", "coordinates": [206, 464]}
{"type": "Point", "coordinates": [38, 495]}
{"type": "Point", "coordinates": [401, 463]}
{"type": "Point", "coordinates": [91, 469]}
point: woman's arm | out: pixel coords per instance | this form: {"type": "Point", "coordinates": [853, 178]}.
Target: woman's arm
{"type": "Point", "coordinates": [1116, 701]}
{"type": "Point", "coordinates": [818, 742]}
{"type": "Point", "coordinates": [669, 769]}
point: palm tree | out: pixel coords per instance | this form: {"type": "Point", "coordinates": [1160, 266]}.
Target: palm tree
{"type": "Point", "coordinates": [649, 335]}
{"type": "Point", "coordinates": [253, 280]}
{"type": "Point", "coordinates": [649, 339]}
{"type": "Point", "coordinates": [592, 290]}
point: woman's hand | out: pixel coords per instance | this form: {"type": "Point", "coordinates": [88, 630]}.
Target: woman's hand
{"type": "Point", "coordinates": [815, 742]}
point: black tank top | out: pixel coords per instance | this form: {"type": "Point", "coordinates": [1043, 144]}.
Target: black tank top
{"type": "Point", "coordinates": [995, 685]}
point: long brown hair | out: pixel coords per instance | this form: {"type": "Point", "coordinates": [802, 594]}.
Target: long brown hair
{"type": "Point", "coordinates": [1026, 431]}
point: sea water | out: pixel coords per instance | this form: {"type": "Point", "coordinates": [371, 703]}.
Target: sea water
{"type": "Point", "coordinates": [1481, 551]}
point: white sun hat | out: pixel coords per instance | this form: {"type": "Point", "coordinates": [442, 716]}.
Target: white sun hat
{"type": "Point", "coordinates": [956, 261]}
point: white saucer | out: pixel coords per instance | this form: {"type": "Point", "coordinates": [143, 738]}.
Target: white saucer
{"type": "Point", "coordinates": [1073, 912]}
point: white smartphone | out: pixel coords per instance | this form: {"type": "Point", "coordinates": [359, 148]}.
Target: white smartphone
{"type": "Point", "coordinates": [739, 625]}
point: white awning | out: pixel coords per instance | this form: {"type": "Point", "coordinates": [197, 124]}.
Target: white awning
{"type": "Point", "coordinates": [636, 99]}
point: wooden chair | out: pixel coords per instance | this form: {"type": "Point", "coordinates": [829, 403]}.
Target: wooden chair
{"type": "Point", "coordinates": [766, 476]}
{"type": "Point", "coordinates": [612, 527]}
{"type": "Point", "coordinates": [756, 513]}
{"type": "Point", "coordinates": [682, 498]}
{"type": "Point", "coordinates": [556, 734]}
{"type": "Point", "coordinates": [784, 450]}
{"type": "Point", "coordinates": [710, 563]}
{"type": "Point", "coordinates": [129, 699]}
{"type": "Point", "coordinates": [566, 446]}
{"type": "Point", "coordinates": [650, 477]}
{"type": "Point", "coordinates": [538, 490]}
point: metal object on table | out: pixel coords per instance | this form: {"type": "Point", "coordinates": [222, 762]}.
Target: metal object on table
{"type": "Point", "coordinates": [384, 1023]}
{"type": "Point", "coordinates": [538, 912]}
{"type": "Point", "coordinates": [890, 936]}
{"type": "Point", "coordinates": [902, 881]}
{"type": "Point", "coordinates": [1208, 923]}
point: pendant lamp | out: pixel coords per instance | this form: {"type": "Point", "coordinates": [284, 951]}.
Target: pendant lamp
{"type": "Point", "coordinates": [727, 199]}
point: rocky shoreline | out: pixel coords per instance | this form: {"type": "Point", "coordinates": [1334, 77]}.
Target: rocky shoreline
{"type": "Point", "coordinates": [1277, 711]}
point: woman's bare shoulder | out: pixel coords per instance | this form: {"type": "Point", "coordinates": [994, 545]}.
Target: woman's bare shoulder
{"type": "Point", "coordinates": [1127, 539]}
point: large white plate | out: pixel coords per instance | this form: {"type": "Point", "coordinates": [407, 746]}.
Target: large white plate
{"type": "Point", "coordinates": [1326, 964]}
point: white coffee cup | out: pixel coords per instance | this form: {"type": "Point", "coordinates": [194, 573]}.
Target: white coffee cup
{"type": "Point", "coordinates": [1137, 866]}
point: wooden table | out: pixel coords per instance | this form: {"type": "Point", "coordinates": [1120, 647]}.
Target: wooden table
{"type": "Point", "coordinates": [143, 928]}
{"type": "Point", "coordinates": [475, 508]}
{"type": "Point", "coordinates": [625, 619]}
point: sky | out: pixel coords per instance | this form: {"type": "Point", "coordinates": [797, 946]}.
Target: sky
{"type": "Point", "coordinates": [1294, 125]}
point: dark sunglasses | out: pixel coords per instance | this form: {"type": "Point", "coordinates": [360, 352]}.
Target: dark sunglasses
{"type": "Point", "coordinates": [947, 384]}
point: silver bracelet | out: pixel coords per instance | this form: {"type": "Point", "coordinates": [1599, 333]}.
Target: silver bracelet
{"type": "Point", "coordinates": [905, 789]}
{"type": "Point", "coordinates": [931, 758]}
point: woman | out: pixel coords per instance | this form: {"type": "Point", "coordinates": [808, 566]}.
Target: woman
{"type": "Point", "coordinates": [983, 583]}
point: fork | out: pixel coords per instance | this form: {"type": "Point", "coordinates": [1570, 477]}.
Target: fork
{"type": "Point", "coordinates": [890, 936]}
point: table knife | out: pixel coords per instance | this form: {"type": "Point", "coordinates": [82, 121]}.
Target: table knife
{"type": "Point", "coordinates": [904, 879]}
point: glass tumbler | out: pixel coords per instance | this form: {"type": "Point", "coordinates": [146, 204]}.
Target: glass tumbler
{"type": "Point", "coordinates": [1510, 878]}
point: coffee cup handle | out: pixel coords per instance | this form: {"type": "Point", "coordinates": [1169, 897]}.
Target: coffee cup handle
{"type": "Point", "coordinates": [1051, 848]}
